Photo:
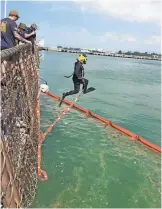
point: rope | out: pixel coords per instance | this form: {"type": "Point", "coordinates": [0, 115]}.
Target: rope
{"type": "Point", "coordinates": [65, 111]}
{"type": "Point", "coordinates": [43, 80]}
{"type": "Point", "coordinates": [42, 175]}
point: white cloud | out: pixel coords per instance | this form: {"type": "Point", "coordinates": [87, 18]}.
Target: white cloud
{"type": "Point", "coordinates": [110, 35]}
{"type": "Point", "coordinates": [128, 38]}
{"type": "Point", "coordinates": [109, 41]}
{"type": "Point", "coordinates": [153, 40]}
{"type": "Point", "coordinates": [117, 37]}
{"type": "Point", "coordinates": [61, 8]}
{"type": "Point", "coordinates": [84, 30]}
{"type": "Point", "coordinates": [138, 10]}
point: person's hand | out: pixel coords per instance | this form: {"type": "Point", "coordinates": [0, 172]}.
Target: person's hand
{"type": "Point", "coordinates": [29, 42]}
{"type": "Point", "coordinates": [33, 33]}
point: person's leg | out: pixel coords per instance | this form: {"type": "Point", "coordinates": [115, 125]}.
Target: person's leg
{"type": "Point", "coordinates": [75, 91]}
{"type": "Point", "coordinates": [85, 84]}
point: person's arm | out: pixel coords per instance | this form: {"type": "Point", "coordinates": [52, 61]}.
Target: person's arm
{"type": "Point", "coordinates": [20, 38]}
{"type": "Point", "coordinates": [83, 70]}
{"type": "Point", "coordinates": [29, 35]}
{"type": "Point", "coordinates": [78, 72]}
{"type": "Point", "coordinates": [16, 34]}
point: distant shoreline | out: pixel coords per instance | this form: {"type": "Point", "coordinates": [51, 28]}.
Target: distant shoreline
{"type": "Point", "coordinates": [125, 56]}
{"type": "Point", "coordinates": [103, 54]}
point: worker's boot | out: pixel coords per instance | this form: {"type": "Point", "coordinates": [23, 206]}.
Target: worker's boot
{"type": "Point", "coordinates": [63, 97]}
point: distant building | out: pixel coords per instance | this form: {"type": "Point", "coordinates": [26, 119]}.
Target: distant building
{"type": "Point", "coordinates": [53, 48]}
{"type": "Point", "coordinates": [59, 49]}
{"type": "Point", "coordinates": [155, 56]}
{"type": "Point", "coordinates": [85, 50]}
{"type": "Point", "coordinates": [100, 50]}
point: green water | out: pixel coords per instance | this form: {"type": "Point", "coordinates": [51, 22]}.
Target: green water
{"type": "Point", "coordinates": [87, 164]}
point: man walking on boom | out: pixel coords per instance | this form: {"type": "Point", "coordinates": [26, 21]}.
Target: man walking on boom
{"type": "Point", "coordinates": [78, 77]}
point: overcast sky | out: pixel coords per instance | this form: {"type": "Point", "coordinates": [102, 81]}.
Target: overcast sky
{"type": "Point", "coordinates": [109, 24]}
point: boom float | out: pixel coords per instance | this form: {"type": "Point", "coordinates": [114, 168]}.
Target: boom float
{"type": "Point", "coordinates": [109, 123]}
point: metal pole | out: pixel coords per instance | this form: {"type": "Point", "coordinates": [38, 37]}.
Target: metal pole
{"type": "Point", "coordinates": [5, 8]}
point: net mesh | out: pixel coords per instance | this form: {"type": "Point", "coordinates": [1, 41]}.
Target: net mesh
{"type": "Point", "coordinates": [94, 165]}
{"type": "Point", "coordinates": [19, 136]}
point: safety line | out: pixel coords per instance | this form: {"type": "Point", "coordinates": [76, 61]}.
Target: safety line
{"type": "Point", "coordinates": [42, 175]}
{"type": "Point", "coordinates": [65, 111]}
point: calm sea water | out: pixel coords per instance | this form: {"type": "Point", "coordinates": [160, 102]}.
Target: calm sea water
{"type": "Point", "coordinates": [89, 165]}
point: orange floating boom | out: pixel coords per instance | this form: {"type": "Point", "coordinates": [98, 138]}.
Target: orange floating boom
{"type": "Point", "coordinates": [109, 123]}
{"type": "Point", "coordinates": [42, 175]}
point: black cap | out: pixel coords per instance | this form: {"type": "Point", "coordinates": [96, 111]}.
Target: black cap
{"type": "Point", "coordinates": [84, 55]}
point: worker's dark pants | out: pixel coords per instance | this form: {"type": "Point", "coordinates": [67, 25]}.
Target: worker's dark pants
{"type": "Point", "coordinates": [77, 86]}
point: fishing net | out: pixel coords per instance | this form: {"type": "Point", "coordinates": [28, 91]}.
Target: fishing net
{"type": "Point", "coordinates": [91, 165]}
{"type": "Point", "coordinates": [19, 136]}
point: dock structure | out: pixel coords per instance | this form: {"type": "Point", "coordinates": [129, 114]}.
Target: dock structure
{"type": "Point", "coordinates": [103, 53]}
